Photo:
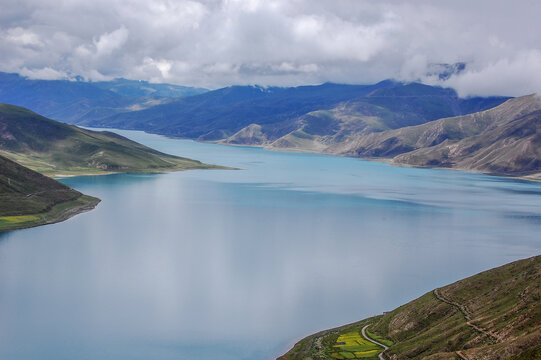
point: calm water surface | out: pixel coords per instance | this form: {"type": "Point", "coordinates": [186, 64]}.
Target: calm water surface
{"type": "Point", "coordinates": [240, 264]}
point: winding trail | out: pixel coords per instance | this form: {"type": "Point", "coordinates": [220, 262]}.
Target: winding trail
{"type": "Point", "coordinates": [467, 315]}
{"type": "Point", "coordinates": [385, 347]}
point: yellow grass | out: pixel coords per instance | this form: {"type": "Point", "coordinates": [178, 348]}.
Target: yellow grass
{"type": "Point", "coordinates": [21, 218]}
{"type": "Point", "coordinates": [352, 345]}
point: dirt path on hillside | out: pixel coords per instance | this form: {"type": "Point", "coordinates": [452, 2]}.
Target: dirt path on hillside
{"type": "Point", "coordinates": [467, 315]}
{"type": "Point", "coordinates": [385, 347]}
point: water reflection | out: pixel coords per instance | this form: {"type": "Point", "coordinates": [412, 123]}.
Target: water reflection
{"type": "Point", "coordinates": [237, 264]}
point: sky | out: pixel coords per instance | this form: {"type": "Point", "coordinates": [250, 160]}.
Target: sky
{"type": "Point", "coordinates": [217, 43]}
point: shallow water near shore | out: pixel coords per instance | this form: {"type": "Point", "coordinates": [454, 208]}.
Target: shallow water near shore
{"type": "Point", "coordinates": [238, 264]}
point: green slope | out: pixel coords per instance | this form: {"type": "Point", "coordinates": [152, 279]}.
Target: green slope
{"type": "Point", "coordinates": [53, 148]}
{"type": "Point", "coordinates": [492, 315]}
{"type": "Point", "coordinates": [28, 198]}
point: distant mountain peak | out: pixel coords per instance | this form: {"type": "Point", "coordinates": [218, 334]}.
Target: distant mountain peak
{"type": "Point", "coordinates": [444, 71]}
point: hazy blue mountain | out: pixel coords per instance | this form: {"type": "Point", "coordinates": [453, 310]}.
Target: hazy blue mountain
{"type": "Point", "coordinates": [71, 100]}
{"type": "Point", "coordinates": [357, 120]}
{"type": "Point", "coordinates": [221, 113]}
{"type": "Point", "coordinates": [138, 88]}
{"type": "Point", "coordinates": [239, 114]}
{"type": "Point", "coordinates": [46, 95]}
{"type": "Point", "coordinates": [258, 115]}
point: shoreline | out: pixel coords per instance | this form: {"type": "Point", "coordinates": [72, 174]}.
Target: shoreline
{"type": "Point", "coordinates": [163, 171]}
{"type": "Point", "coordinates": [313, 337]}
{"type": "Point", "coordinates": [58, 213]}
{"type": "Point", "coordinates": [535, 177]}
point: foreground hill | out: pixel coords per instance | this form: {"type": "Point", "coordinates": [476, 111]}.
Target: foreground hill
{"type": "Point", "coordinates": [28, 198]}
{"type": "Point", "coordinates": [504, 140]}
{"type": "Point", "coordinates": [51, 147]}
{"type": "Point", "coordinates": [493, 315]}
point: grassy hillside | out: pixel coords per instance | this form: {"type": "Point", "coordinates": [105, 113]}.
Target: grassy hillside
{"type": "Point", "coordinates": [493, 315]}
{"type": "Point", "coordinates": [52, 148]}
{"type": "Point", "coordinates": [28, 198]}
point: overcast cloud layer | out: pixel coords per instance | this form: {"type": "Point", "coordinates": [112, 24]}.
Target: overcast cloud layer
{"type": "Point", "coordinates": [275, 42]}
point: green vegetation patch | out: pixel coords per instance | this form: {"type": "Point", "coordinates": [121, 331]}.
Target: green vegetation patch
{"type": "Point", "coordinates": [353, 341]}
{"type": "Point", "coordinates": [323, 345]}
{"type": "Point", "coordinates": [18, 219]}
{"type": "Point", "coordinates": [378, 338]}
{"type": "Point", "coordinates": [352, 345]}
{"type": "Point", "coordinates": [347, 355]}
{"type": "Point", "coordinates": [366, 354]}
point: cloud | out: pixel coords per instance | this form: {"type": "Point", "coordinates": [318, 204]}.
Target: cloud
{"type": "Point", "coordinates": [21, 37]}
{"type": "Point", "coordinates": [502, 77]}
{"type": "Point", "coordinates": [45, 73]}
{"type": "Point", "coordinates": [216, 43]}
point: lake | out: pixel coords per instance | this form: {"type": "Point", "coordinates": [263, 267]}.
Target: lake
{"type": "Point", "coordinates": [239, 264]}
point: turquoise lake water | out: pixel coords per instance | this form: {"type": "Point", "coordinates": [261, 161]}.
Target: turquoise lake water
{"type": "Point", "coordinates": [223, 264]}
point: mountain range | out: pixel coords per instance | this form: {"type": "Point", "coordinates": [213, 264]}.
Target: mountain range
{"type": "Point", "coordinates": [409, 124]}
{"type": "Point", "coordinates": [504, 140]}
{"type": "Point", "coordinates": [67, 101]}
{"type": "Point", "coordinates": [229, 114]}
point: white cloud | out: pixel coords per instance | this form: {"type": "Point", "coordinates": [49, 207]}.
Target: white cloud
{"type": "Point", "coordinates": [503, 77]}
{"type": "Point", "coordinates": [45, 73]}
{"type": "Point", "coordinates": [22, 37]}
{"type": "Point", "coordinates": [216, 43]}
{"type": "Point", "coordinates": [109, 42]}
